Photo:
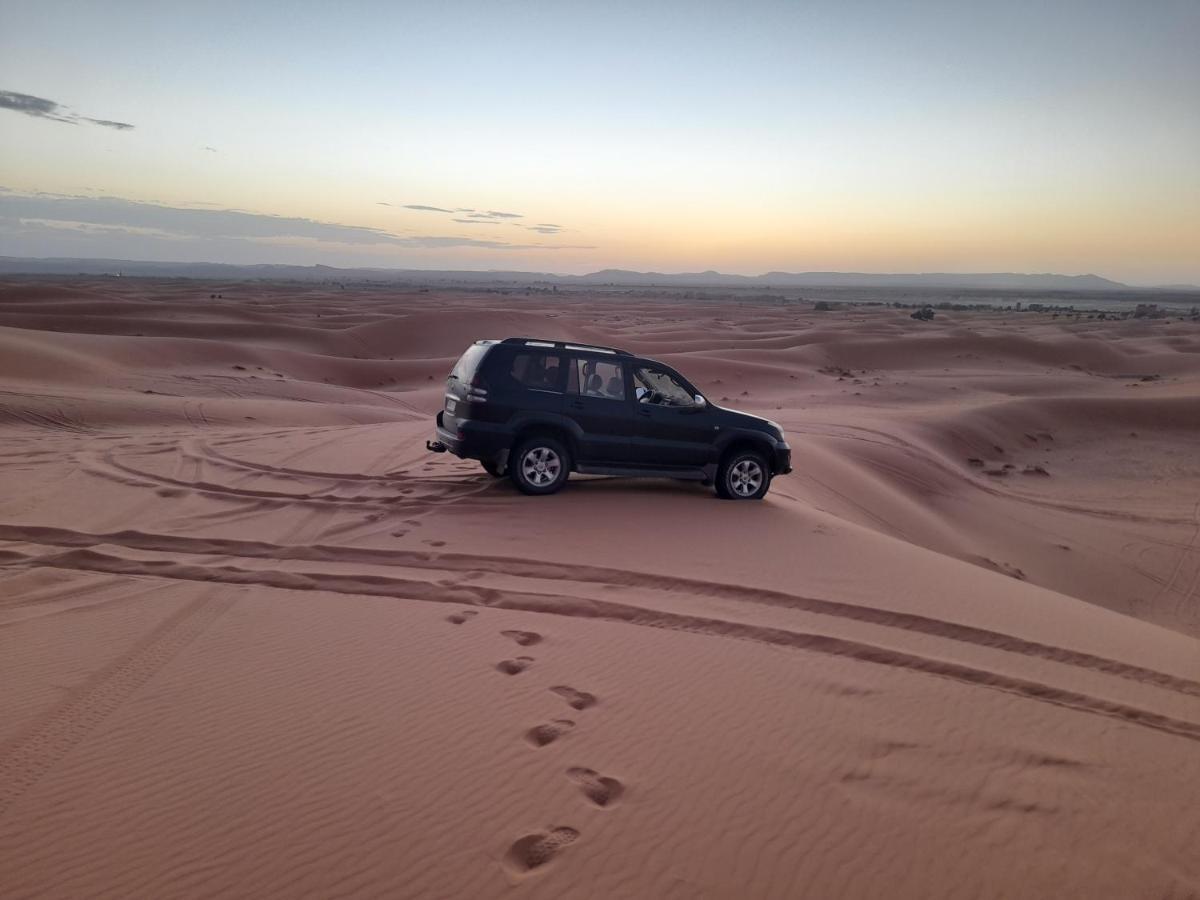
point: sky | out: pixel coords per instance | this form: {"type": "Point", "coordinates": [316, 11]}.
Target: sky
{"type": "Point", "coordinates": [856, 135]}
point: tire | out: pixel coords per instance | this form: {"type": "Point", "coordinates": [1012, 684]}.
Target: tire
{"type": "Point", "coordinates": [539, 465]}
{"type": "Point", "coordinates": [743, 475]}
{"type": "Point", "coordinates": [491, 468]}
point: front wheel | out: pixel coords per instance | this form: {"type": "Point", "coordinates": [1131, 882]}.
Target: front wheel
{"type": "Point", "coordinates": [743, 476]}
{"type": "Point", "coordinates": [540, 465]}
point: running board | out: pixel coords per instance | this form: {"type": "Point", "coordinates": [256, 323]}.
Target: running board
{"type": "Point", "coordinates": [628, 472]}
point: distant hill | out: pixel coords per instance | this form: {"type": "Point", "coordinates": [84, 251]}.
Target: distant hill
{"type": "Point", "coordinates": [992, 280]}
{"type": "Point", "coordinates": [622, 277]}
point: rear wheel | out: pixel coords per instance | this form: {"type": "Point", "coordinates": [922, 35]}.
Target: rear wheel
{"type": "Point", "coordinates": [743, 476]}
{"type": "Point", "coordinates": [540, 465]}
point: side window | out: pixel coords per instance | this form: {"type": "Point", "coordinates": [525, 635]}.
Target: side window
{"type": "Point", "coordinates": [536, 370]}
{"type": "Point", "coordinates": [597, 378]}
{"type": "Point", "coordinates": [653, 386]}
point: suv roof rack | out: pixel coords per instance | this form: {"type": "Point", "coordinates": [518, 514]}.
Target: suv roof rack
{"type": "Point", "coordinates": [565, 345]}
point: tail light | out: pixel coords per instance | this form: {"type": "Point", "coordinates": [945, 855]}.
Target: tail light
{"type": "Point", "coordinates": [477, 391]}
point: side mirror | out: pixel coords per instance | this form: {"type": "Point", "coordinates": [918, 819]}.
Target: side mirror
{"type": "Point", "coordinates": [700, 402]}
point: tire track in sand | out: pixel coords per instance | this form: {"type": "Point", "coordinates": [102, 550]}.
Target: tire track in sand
{"type": "Point", "coordinates": [30, 757]}
{"type": "Point", "coordinates": [578, 607]}
{"type": "Point", "coordinates": [550, 571]}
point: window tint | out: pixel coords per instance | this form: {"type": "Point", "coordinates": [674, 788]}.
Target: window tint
{"type": "Point", "coordinates": [536, 370]}
{"type": "Point", "coordinates": [653, 386]}
{"type": "Point", "coordinates": [464, 369]}
{"type": "Point", "coordinates": [597, 378]}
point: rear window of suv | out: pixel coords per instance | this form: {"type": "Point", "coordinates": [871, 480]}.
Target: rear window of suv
{"type": "Point", "coordinates": [464, 369]}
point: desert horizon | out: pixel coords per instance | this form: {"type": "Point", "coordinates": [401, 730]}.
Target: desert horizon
{"type": "Point", "coordinates": [1082, 285]}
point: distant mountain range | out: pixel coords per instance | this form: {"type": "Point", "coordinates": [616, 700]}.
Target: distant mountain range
{"type": "Point", "coordinates": [1006, 281]}
{"type": "Point", "coordinates": [992, 280]}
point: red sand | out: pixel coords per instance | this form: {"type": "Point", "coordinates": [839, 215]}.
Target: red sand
{"type": "Point", "coordinates": [255, 641]}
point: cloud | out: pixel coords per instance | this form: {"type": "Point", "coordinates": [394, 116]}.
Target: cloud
{"type": "Point", "coordinates": [548, 225]}
{"type": "Point", "coordinates": [477, 222]}
{"type": "Point", "coordinates": [31, 106]}
{"type": "Point", "coordinates": [41, 108]}
{"type": "Point", "coordinates": [436, 241]}
{"type": "Point", "coordinates": [488, 214]}
{"type": "Point", "coordinates": [210, 149]}
{"type": "Point", "coordinates": [381, 203]}
{"type": "Point", "coordinates": [542, 229]}
{"type": "Point", "coordinates": [184, 221]}
{"type": "Point", "coordinates": [491, 215]}
{"type": "Point", "coordinates": [115, 215]}
{"type": "Point", "coordinates": [107, 123]}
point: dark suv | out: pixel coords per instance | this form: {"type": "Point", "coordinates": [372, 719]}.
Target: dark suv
{"type": "Point", "coordinates": [539, 410]}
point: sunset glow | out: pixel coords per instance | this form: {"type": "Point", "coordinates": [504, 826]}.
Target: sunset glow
{"type": "Point", "coordinates": [864, 136]}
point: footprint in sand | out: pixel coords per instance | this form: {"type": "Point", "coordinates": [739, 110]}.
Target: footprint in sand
{"type": "Point", "coordinates": [536, 850]}
{"type": "Point", "coordinates": [599, 789]}
{"type": "Point", "coordinates": [460, 618]}
{"type": "Point", "coordinates": [541, 735]}
{"type": "Point", "coordinates": [524, 638]}
{"type": "Point", "coordinates": [575, 699]}
{"type": "Point", "coordinates": [514, 666]}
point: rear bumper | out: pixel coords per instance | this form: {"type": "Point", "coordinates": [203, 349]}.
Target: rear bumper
{"type": "Point", "coordinates": [470, 440]}
{"type": "Point", "coordinates": [449, 440]}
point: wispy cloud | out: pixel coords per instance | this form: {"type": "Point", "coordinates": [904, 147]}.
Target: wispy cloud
{"type": "Point", "coordinates": [465, 215]}
{"type": "Point", "coordinates": [115, 214]}
{"type": "Point", "coordinates": [41, 108]}
{"type": "Point", "coordinates": [107, 123]}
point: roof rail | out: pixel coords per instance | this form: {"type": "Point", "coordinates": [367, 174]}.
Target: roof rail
{"type": "Point", "coordinates": [564, 345]}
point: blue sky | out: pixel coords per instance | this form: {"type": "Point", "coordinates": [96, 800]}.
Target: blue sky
{"type": "Point", "coordinates": [740, 136]}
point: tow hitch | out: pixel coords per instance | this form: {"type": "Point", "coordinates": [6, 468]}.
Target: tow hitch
{"type": "Point", "coordinates": [435, 446]}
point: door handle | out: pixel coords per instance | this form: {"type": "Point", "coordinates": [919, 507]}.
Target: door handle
{"type": "Point", "coordinates": [576, 404]}
{"type": "Point", "coordinates": [644, 412]}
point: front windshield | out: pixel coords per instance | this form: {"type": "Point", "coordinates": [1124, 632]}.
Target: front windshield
{"type": "Point", "coordinates": [657, 387]}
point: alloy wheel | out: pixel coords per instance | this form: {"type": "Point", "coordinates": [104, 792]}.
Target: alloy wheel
{"type": "Point", "coordinates": [540, 466]}
{"type": "Point", "coordinates": [745, 478]}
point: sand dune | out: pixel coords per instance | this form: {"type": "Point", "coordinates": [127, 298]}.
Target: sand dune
{"type": "Point", "coordinates": [255, 641]}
